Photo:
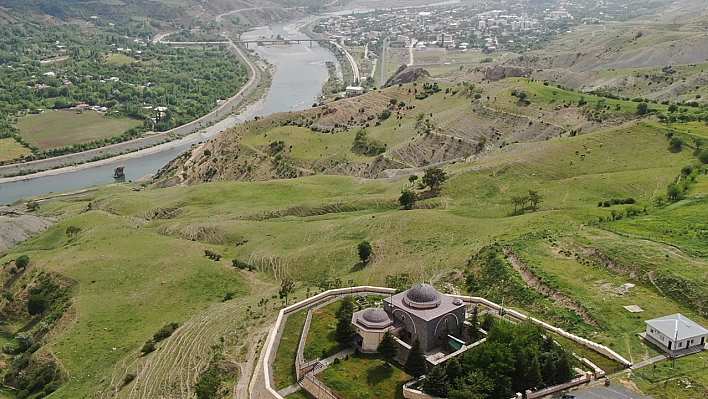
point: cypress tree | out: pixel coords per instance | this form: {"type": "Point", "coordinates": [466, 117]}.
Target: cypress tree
{"type": "Point", "coordinates": [416, 365]}
{"type": "Point", "coordinates": [388, 347]}
{"type": "Point", "coordinates": [345, 330]}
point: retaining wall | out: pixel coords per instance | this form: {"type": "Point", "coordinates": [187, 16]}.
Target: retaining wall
{"type": "Point", "coordinates": [578, 381]}
{"type": "Point", "coordinates": [317, 389]}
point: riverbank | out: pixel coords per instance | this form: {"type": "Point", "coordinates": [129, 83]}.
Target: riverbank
{"type": "Point", "coordinates": [141, 146]}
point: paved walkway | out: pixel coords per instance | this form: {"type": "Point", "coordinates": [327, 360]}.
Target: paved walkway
{"type": "Point", "coordinates": [326, 362]}
{"type": "Point", "coordinates": [288, 390]}
{"type": "Point", "coordinates": [650, 361]}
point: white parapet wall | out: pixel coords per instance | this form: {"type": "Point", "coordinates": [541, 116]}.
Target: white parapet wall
{"type": "Point", "coordinates": [271, 345]}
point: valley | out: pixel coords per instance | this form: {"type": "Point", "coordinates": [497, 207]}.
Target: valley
{"type": "Point", "coordinates": [566, 182]}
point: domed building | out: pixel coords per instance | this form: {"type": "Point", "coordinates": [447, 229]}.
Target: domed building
{"type": "Point", "coordinates": [421, 311]}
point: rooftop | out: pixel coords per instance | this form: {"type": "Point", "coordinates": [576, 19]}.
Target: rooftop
{"type": "Point", "coordinates": [424, 302]}
{"type": "Point", "coordinates": [677, 326]}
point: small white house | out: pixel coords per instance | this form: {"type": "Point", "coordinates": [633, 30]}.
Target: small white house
{"type": "Point", "coordinates": [354, 91]}
{"type": "Point", "coordinates": [675, 333]}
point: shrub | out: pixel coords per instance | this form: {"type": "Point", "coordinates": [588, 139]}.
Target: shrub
{"type": "Point", "coordinates": [22, 261]}
{"type": "Point", "coordinates": [148, 347]}
{"type": "Point", "coordinates": [165, 332]}
{"type": "Point", "coordinates": [128, 379]}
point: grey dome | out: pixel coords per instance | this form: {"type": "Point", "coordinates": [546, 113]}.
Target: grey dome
{"type": "Point", "coordinates": [423, 296]}
{"type": "Point", "coordinates": [375, 315]}
{"type": "Point", "coordinates": [373, 318]}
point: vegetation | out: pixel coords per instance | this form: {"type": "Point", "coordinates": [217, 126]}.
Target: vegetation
{"type": "Point", "coordinates": [416, 365]}
{"type": "Point", "coordinates": [345, 331]}
{"type": "Point", "coordinates": [388, 347]}
{"type": "Point", "coordinates": [364, 250]}
{"type": "Point", "coordinates": [284, 363]}
{"type": "Point", "coordinates": [83, 69]}
{"type": "Point", "coordinates": [366, 377]}
{"type": "Point", "coordinates": [514, 358]}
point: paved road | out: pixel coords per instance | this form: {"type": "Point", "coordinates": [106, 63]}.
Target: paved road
{"type": "Point", "coordinates": [614, 391]}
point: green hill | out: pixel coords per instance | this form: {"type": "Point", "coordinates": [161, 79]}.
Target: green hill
{"type": "Point", "coordinates": [137, 262]}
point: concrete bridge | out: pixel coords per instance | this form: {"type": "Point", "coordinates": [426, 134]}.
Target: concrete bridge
{"type": "Point", "coordinates": [276, 42]}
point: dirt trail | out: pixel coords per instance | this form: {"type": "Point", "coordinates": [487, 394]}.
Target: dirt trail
{"type": "Point", "coordinates": [534, 282]}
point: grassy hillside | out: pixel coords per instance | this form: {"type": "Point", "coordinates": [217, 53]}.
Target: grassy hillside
{"type": "Point", "coordinates": [138, 260]}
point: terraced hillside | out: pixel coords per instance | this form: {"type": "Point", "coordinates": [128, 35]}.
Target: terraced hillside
{"type": "Point", "coordinates": [408, 127]}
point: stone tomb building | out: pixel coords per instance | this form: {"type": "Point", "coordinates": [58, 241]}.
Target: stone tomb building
{"type": "Point", "coordinates": [421, 312]}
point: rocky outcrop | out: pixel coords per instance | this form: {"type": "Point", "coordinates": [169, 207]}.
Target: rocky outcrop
{"type": "Point", "coordinates": [500, 72]}
{"type": "Point", "coordinates": [406, 75]}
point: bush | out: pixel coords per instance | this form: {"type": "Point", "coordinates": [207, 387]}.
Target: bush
{"type": "Point", "coordinates": [128, 379]}
{"type": "Point", "coordinates": [165, 332]}
{"type": "Point", "coordinates": [148, 347]}
{"type": "Point", "coordinates": [703, 156]}
{"type": "Point", "coordinates": [22, 261]}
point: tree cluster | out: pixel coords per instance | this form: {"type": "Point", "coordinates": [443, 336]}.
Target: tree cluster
{"type": "Point", "coordinates": [513, 359]}
{"type": "Point", "coordinates": [522, 202]}
{"type": "Point", "coordinates": [367, 145]}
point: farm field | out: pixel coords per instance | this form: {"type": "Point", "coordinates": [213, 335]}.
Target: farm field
{"type": "Point", "coordinates": [53, 129]}
{"type": "Point", "coordinates": [11, 149]}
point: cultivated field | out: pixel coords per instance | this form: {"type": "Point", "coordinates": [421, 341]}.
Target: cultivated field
{"type": "Point", "coordinates": [53, 129]}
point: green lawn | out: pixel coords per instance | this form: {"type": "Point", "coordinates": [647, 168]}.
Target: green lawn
{"type": "Point", "coordinates": [320, 337]}
{"type": "Point", "coordinates": [284, 363]}
{"type": "Point", "coordinates": [53, 129]}
{"type": "Point", "coordinates": [365, 377]}
{"type": "Point", "coordinates": [11, 149]}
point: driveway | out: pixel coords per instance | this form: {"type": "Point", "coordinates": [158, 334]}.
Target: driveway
{"type": "Point", "coordinates": [614, 391]}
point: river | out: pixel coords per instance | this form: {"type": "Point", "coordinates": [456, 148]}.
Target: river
{"type": "Point", "coordinates": [298, 78]}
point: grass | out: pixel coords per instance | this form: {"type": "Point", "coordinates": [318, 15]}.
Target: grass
{"type": "Point", "coordinates": [300, 394]}
{"type": "Point", "coordinates": [119, 59]}
{"type": "Point", "coordinates": [284, 363]}
{"type": "Point", "coordinates": [365, 377]}
{"type": "Point", "coordinates": [11, 149]}
{"type": "Point", "coordinates": [295, 228]}
{"type": "Point", "coordinates": [53, 129]}
{"type": "Point", "coordinates": [320, 337]}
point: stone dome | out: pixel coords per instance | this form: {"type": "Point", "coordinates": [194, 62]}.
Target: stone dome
{"type": "Point", "coordinates": [374, 318]}
{"type": "Point", "coordinates": [423, 296]}
{"type": "Point", "coordinates": [375, 315]}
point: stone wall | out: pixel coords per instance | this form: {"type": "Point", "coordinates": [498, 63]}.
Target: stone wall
{"type": "Point", "coordinates": [271, 345]}
{"type": "Point", "coordinates": [317, 389]}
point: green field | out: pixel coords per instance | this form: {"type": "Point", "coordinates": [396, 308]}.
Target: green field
{"type": "Point", "coordinates": [365, 377]}
{"type": "Point", "coordinates": [119, 59]}
{"type": "Point", "coordinates": [284, 363]}
{"type": "Point", "coordinates": [53, 129]}
{"type": "Point", "coordinates": [320, 338]}
{"type": "Point", "coordinates": [11, 149]}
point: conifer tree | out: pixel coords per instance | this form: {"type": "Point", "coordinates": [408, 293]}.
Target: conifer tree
{"type": "Point", "coordinates": [416, 365]}
{"type": "Point", "coordinates": [388, 347]}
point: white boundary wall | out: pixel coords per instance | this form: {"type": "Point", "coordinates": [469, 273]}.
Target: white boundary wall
{"type": "Point", "coordinates": [271, 345]}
